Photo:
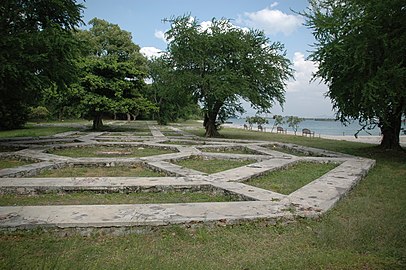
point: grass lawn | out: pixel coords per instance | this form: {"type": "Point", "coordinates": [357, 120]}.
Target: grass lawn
{"type": "Point", "coordinates": [87, 197]}
{"type": "Point", "coordinates": [116, 171]}
{"type": "Point", "coordinates": [210, 166]}
{"type": "Point", "coordinates": [366, 230]}
{"type": "Point", "coordinates": [289, 180]}
{"type": "Point", "coordinates": [111, 151]}
{"type": "Point", "coordinates": [12, 163]}
{"type": "Point", "coordinates": [35, 131]}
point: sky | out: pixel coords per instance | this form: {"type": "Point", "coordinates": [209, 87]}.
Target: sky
{"type": "Point", "coordinates": [278, 20]}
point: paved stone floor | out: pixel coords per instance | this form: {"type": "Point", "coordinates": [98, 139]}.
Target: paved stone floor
{"type": "Point", "coordinates": [310, 201]}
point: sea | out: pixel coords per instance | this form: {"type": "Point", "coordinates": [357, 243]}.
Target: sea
{"type": "Point", "coordinates": [319, 126]}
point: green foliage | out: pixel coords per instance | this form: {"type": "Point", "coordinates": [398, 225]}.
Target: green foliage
{"type": "Point", "coordinates": [293, 122]}
{"type": "Point", "coordinates": [256, 120]}
{"type": "Point", "coordinates": [173, 100]}
{"type": "Point", "coordinates": [39, 113]}
{"type": "Point", "coordinates": [61, 102]}
{"type": "Point", "coordinates": [36, 50]}
{"type": "Point", "coordinates": [279, 120]}
{"type": "Point", "coordinates": [222, 64]}
{"type": "Point", "coordinates": [113, 73]}
{"type": "Point", "coordinates": [362, 57]}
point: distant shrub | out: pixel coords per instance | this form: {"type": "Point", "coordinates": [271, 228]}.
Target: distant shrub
{"type": "Point", "coordinates": [39, 113]}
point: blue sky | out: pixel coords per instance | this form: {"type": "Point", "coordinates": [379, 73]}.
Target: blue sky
{"type": "Point", "coordinates": [144, 20]}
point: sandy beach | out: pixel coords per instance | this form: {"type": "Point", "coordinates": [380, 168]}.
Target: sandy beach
{"type": "Point", "coordinates": [364, 139]}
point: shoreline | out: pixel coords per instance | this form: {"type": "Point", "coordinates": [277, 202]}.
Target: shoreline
{"type": "Point", "coordinates": [371, 139]}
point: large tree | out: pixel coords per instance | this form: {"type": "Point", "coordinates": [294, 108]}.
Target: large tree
{"type": "Point", "coordinates": [36, 51]}
{"type": "Point", "coordinates": [362, 57]}
{"type": "Point", "coordinates": [172, 99]}
{"type": "Point", "coordinates": [112, 73]}
{"type": "Point", "coordinates": [222, 64]}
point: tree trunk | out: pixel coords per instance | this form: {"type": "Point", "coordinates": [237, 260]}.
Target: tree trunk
{"type": "Point", "coordinates": [128, 117]}
{"type": "Point", "coordinates": [209, 124]}
{"type": "Point", "coordinates": [61, 113]}
{"type": "Point", "coordinates": [98, 121]}
{"type": "Point", "coordinates": [391, 132]}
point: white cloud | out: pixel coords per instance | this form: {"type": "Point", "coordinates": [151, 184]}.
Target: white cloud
{"type": "Point", "coordinates": [207, 24]}
{"type": "Point", "coordinates": [303, 72]}
{"type": "Point", "coordinates": [303, 96]}
{"type": "Point", "coordinates": [272, 21]}
{"type": "Point", "coordinates": [159, 34]}
{"type": "Point", "coordinates": [150, 52]}
{"type": "Point", "coordinates": [274, 4]}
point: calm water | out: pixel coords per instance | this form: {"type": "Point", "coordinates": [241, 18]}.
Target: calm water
{"type": "Point", "coordinates": [319, 127]}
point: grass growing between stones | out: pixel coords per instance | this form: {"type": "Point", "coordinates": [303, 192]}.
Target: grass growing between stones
{"type": "Point", "coordinates": [116, 171]}
{"type": "Point", "coordinates": [366, 230]}
{"type": "Point", "coordinates": [210, 166]}
{"type": "Point", "coordinates": [244, 151]}
{"type": "Point", "coordinates": [88, 197]}
{"type": "Point", "coordinates": [287, 150]}
{"type": "Point", "coordinates": [12, 163]}
{"type": "Point", "coordinates": [292, 178]}
{"type": "Point", "coordinates": [4, 148]}
{"type": "Point", "coordinates": [111, 151]}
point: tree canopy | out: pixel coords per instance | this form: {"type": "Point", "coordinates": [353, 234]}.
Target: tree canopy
{"type": "Point", "coordinates": [361, 53]}
{"type": "Point", "coordinates": [36, 50]}
{"type": "Point", "coordinates": [222, 64]}
{"type": "Point", "coordinates": [112, 73]}
{"type": "Point", "coordinates": [173, 100]}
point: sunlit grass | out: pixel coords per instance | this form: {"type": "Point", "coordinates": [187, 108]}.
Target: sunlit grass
{"type": "Point", "coordinates": [292, 178]}
{"type": "Point", "coordinates": [12, 163]}
{"type": "Point", "coordinates": [35, 131]}
{"type": "Point", "coordinates": [114, 171]}
{"type": "Point", "coordinates": [210, 166]}
{"type": "Point", "coordinates": [88, 198]}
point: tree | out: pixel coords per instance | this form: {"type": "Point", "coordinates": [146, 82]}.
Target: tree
{"type": "Point", "coordinates": [362, 57]}
{"type": "Point", "coordinates": [172, 99]}
{"type": "Point", "coordinates": [36, 50]}
{"type": "Point", "coordinates": [112, 73]}
{"type": "Point", "coordinates": [256, 120]}
{"type": "Point", "coordinates": [222, 64]}
{"type": "Point", "coordinates": [294, 122]}
{"type": "Point", "coordinates": [278, 121]}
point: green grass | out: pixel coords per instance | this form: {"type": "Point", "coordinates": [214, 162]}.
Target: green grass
{"type": "Point", "coordinates": [210, 166]}
{"type": "Point", "coordinates": [116, 171]}
{"type": "Point", "coordinates": [12, 163]}
{"type": "Point", "coordinates": [352, 148]}
{"type": "Point", "coordinates": [366, 230]}
{"type": "Point", "coordinates": [35, 131]}
{"type": "Point", "coordinates": [292, 178]}
{"type": "Point", "coordinates": [110, 151]}
{"type": "Point", "coordinates": [88, 197]}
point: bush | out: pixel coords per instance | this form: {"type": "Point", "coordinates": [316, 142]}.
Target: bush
{"type": "Point", "coordinates": [39, 113]}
